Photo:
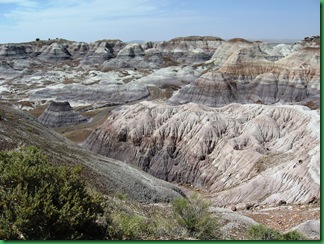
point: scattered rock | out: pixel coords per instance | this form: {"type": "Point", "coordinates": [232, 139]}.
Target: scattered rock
{"type": "Point", "coordinates": [233, 208]}
{"type": "Point", "coordinates": [282, 202]}
{"type": "Point", "coordinates": [312, 199]}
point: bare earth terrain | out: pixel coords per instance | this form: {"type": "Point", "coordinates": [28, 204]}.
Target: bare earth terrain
{"type": "Point", "coordinates": [236, 120]}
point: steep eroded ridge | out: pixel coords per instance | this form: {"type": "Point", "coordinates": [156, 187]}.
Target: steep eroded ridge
{"type": "Point", "coordinates": [238, 153]}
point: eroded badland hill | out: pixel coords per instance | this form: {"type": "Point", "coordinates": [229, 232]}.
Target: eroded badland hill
{"type": "Point", "coordinates": [236, 120]}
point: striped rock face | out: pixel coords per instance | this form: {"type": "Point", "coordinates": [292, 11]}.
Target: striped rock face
{"type": "Point", "coordinates": [59, 114]}
{"type": "Point", "coordinates": [236, 118]}
{"type": "Point", "coordinates": [246, 72]}
{"type": "Point", "coordinates": [237, 153]}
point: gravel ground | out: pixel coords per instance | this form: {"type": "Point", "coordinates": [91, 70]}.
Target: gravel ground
{"type": "Point", "coordinates": [283, 218]}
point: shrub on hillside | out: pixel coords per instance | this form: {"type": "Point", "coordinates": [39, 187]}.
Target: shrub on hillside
{"type": "Point", "coordinates": [126, 226]}
{"type": "Point", "coordinates": [293, 236]}
{"type": "Point", "coordinates": [261, 232]}
{"type": "Point", "coordinates": [40, 201]}
{"type": "Point", "coordinates": [131, 220]}
{"type": "Point", "coordinates": [194, 215]}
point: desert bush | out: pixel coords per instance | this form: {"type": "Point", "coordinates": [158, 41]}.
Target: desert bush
{"type": "Point", "coordinates": [127, 219]}
{"type": "Point", "coordinates": [121, 196]}
{"type": "Point", "coordinates": [261, 232]}
{"type": "Point", "coordinates": [293, 236]}
{"type": "Point", "coordinates": [194, 215]}
{"type": "Point", "coordinates": [40, 201]}
{"type": "Point", "coordinates": [126, 226]}
{"type": "Point", "coordinates": [125, 223]}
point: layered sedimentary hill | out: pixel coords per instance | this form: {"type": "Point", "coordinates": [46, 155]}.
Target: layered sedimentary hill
{"type": "Point", "coordinates": [201, 135]}
{"type": "Point", "coordinates": [207, 70]}
{"type": "Point", "coordinates": [251, 72]}
{"type": "Point", "coordinates": [237, 120]}
{"type": "Point", "coordinates": [59, 114]}
{"type": "Point", "coordinates": [238, 153]}
{"type": "Point", "coordinates": [115, 53]}
{"type": "Point", "coordinates": [106, 175]}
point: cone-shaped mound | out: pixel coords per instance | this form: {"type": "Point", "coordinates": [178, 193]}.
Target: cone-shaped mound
{"type": "Point", "coordinates": [59, 114]}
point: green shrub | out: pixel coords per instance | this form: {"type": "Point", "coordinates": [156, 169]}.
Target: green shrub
{"type": "Point", "coordinates": [40, 201]}
{"type": "Point", "coordinates": [194, 215]}
{"type": "Point", "coordinates": [129, 219]}
{"type": "Point", "coordinates": [121, 196]}
{"type": "Point", "coordinates": [125, 226]}
{"type": "Point", "coordinates": [261, 232]}
{"type": "Point", "coordinates": [293, 236]}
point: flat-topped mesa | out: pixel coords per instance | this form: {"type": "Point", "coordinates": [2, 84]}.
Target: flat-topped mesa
{"type": "Point", "coordinates": [239, 40]}
{"type": "Point", "coordinates": [196, 38]}
{"type": "Point", "coordinates": [59, 114]}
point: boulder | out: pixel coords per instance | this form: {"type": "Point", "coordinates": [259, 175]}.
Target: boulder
{"type": "Point", "coordinates": [311, 229]}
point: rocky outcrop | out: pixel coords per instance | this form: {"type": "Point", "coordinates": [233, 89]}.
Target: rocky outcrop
{"type": "Point", "coordinates": [107, 175]}
{"type": "Point", "coordinates": [238, 153]}
{"type": "Point", "coordinates": [59, 114]}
